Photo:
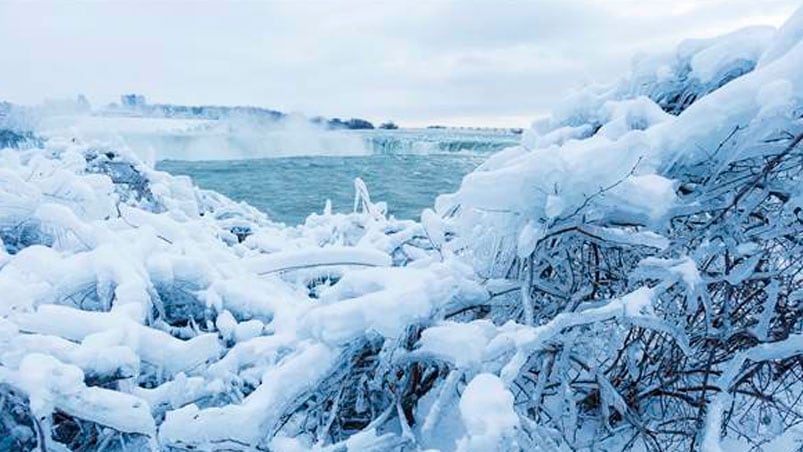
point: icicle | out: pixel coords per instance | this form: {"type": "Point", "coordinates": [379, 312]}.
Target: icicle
{"type": "Point", "coordinates": [526, 287]}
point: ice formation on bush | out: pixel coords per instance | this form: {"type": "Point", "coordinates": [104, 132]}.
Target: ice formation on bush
{"type": "Point", "coordinates": [630, 277]}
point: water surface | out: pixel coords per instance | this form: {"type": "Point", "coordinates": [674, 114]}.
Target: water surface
{"type": "Point", "coordinates": [290, 188]}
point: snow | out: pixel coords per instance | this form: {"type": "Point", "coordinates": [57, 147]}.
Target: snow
{"type": "Point", "coordinates": [460, 343]}
{"type": "Point", "coordinates": [729, 52]}
{"type": "Point", "coordinates": [787, 37]}
{"type": "Point", "coordinates": [364, 298]}
{"type": "Point", "coordinates": [524, 340]}
{"type": "Point", "coordinates": [247, 422]}
{"type": "Point", "coordinates": [293, 260]}
{"type": "Point", "coordinates": [683, 268]}
{"type": "Point", "coordinates": [543, 303]}
{"type": "Point", "coordinates": [129, 275]}
{"type": "Point", "coordinates": [635, 144]}
{"type": "Point", "coordinates": [153, 346]}
{"type": "Point", "coordinates": [486, 408]}
{"type": "Point", "coordinates": [51, 384]}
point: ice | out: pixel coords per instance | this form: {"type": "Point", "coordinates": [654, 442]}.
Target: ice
{"type": "Point", "coordinates": [791, 346]}
{"type": "Point", "coordinates": [486, 408]}
{"type": "Point", "coordinates": [636, 142]}
{"type": "Point", "coordinates": [332, 256]}
{"type": "Point", "coordinates": [247, 422]}
{"type": "Point", "coordinates": [460, 343]}
{"type": "Point", "coordinates": [97, 356]}
{"type": "Point", "coordinates": [525, 339]}
{"type": "Point", "coordinates": [153, 346]}
{"type": "Point", "coordinates": [621, 117]}
{"type": "Point", "coordinates": [134, 279]}
{"type": "Point", "coordinates": [787, 37]}
{"type": "Point", "coordinates": [634, 262]}
{"type": "Point", "coordinates": [51, 385]}
{"type": "Point", "coordinates": [736, 52]}
{"type": "Point", "coordinates": [683, 268]}
{"type": "Point", "coordinates": [360, 302]}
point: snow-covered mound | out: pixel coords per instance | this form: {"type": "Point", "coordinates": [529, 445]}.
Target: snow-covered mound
{"type": "Point", "coordinates": [631, 277]}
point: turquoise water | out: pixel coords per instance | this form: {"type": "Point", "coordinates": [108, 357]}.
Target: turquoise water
{"type": "Point", "coordinates": [290, 188]}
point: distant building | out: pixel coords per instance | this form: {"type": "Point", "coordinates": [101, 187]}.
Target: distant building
{"type": "Point", "coordinates": [82, 103]}
{"type": "Point", "coordinates": [132, 100]}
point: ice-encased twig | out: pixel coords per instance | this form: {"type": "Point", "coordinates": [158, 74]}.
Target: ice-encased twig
{"type": "Point", "coordinates": [251, 422]}
{"type": "Point", "coordinates": [791, 346]}
{"type": "Point", "coordinates": [51, 385]}
{"type": "Point", "coordinates": [153, 346]}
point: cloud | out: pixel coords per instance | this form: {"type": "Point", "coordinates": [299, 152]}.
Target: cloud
{"type": "Point", "coordinates": [415, 62]}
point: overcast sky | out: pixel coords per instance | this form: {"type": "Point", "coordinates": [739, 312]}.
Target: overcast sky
{"type": "Point", "coordinates": [416, 62]}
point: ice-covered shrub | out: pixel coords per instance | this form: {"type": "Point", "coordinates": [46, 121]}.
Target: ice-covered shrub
{"type": "Point", "coordinates": [641, 265]}
{"type": "Point", "coordinates": [135, 290]}
{"type": "Point", "coordinates": [15, 139]}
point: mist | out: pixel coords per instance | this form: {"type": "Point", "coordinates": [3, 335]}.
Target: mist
{"type": "Point", "coordinates": [236, 138]}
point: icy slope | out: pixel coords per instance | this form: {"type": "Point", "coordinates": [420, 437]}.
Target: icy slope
{"type": "Point", "coordinates": [629, 278]}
